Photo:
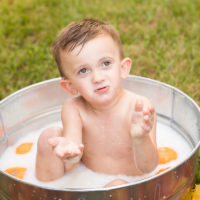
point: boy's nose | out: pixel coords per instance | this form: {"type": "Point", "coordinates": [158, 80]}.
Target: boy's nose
{"type": "Point", "coordinates": [97, 77]}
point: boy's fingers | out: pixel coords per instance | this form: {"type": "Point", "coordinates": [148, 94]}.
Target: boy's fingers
{"type": "Point", "coordinates": [68, 156]}
{"type": "Point", "coordinates": [146, 128]}
{"type": "Point", "coordinates": [146, 118]}
{"type": "Point", "coordinates": [81, 147]}
{"type": "Point", "coordinates": [138, 105]}
{"type": "Point", "coordinates": [54, 141]}
{"type": "Point", "coordinates": [66, 151]}
{"type": "Point", "coordinates": [74, 159]}
{"type": "Point", "coordinates": [151, 109]}
{"type": "Point", "coordinates": [71, 153]}
{"type": "Point", "coordinates": [58, 153]}
{"type": "Point", "coordinates": [145, 111]}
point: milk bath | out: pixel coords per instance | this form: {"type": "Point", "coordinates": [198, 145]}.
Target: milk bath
{"type": "Point", "coordinates": [83, 177]}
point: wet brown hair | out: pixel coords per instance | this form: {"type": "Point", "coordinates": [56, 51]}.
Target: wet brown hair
{"type": "Point", "coordinates": [79, 33]}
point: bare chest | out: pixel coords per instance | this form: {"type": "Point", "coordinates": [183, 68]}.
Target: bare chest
{"type": "Point", "coordinates": [108, 134]}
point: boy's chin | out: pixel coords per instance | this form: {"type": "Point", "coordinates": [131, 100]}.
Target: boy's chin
{"type": "Point", "coordinates": [103, 102]}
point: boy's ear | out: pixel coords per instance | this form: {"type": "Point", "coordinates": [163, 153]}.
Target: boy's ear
{"type": "Point", "coordinates": [67, 85]}
{"type": "Point", "coordinates": [125, 67]}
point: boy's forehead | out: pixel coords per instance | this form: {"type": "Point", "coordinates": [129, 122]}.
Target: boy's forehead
{"type": "Point", "coordinates": [102, 42]}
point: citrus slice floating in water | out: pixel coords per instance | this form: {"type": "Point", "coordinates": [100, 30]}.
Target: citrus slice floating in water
{"type": "Point", "coordinates": [18, 172]}
{"type": "Point", "coordinates": [162, 170]}
{"type": "Point", "coordinates": [24, 148]}
{"type": "Point", "coordinates": [166, 154]}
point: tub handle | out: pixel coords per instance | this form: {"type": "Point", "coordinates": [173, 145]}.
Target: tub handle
{"type": "Point", "coordinates": [3, 133]}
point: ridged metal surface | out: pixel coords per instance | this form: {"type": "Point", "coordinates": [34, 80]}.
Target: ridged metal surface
{"type": "Point", "coordinates": [173, 106]}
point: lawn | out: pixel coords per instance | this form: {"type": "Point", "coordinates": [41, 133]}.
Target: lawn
{"type": "Point", "coordinates": [161, 37]}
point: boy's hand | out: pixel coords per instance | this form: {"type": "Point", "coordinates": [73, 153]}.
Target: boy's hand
{"type": "Point", "coordinates": [65, 149]}
{"type": "Point", "coordinates": [142, 119]}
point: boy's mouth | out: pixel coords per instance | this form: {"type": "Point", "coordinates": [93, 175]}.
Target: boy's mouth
{"type": "Point", "coordinates": [102, 90]}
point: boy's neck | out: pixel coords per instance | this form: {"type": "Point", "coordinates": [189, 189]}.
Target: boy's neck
{"type": "Point", "coordinates": [108, 107]}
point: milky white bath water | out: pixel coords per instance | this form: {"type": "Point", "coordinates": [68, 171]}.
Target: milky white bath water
{"type": "Point", "coordinates": [83, 177]}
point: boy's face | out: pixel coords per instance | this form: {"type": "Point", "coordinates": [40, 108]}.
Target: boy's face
{"type": "Point", "coordinates": [95, 70]}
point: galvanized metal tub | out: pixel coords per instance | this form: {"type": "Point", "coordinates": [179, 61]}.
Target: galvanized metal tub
{"type": "Point", "coordinates": [21, 112]}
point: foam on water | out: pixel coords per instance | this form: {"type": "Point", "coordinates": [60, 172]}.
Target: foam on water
{"type": "Point", "coordinates": [83, 177]}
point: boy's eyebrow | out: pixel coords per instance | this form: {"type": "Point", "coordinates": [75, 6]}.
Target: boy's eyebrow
{"type": "Point", "coordinates": [105, 58]}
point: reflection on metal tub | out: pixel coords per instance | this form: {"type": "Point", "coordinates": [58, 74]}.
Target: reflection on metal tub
{"type": "Point", "coordinates": [173, 106]}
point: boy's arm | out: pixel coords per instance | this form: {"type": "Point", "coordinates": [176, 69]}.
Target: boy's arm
{"type": "Point", "coordinates": [72, 123]}
{"type": "Point", "coordinates": [143, 132]}
{"type": "Point", "coordinates": [69, 147]}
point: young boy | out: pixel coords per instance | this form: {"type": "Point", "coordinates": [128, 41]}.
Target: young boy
{"type": "Point", "coordinates": [108, 128]}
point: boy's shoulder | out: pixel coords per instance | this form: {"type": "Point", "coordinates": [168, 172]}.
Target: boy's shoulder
{"type": "Point", "coordinates": [74, 102]}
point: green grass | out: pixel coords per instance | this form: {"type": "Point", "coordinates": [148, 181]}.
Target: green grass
{"type": "Point", "coordinates": [161, 37]}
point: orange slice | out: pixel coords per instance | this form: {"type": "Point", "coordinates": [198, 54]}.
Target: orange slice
{"type": "Point", "coordinates": [18, 172]}
{"type": "Point", "coordinates": [24, 148]}
{"type": "Point", "coordinates": [166, 154]}
{"type": "Point", "coordinates": [162, 170]}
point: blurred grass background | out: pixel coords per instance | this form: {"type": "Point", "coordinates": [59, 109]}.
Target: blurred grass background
{"type": "Point", "coordinates": [161, 37]}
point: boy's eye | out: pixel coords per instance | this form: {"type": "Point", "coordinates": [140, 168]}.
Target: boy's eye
{"type": "Point", "coordinates": [83, 71]}
{"type": "Point", "coordinates": [106, 63]}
